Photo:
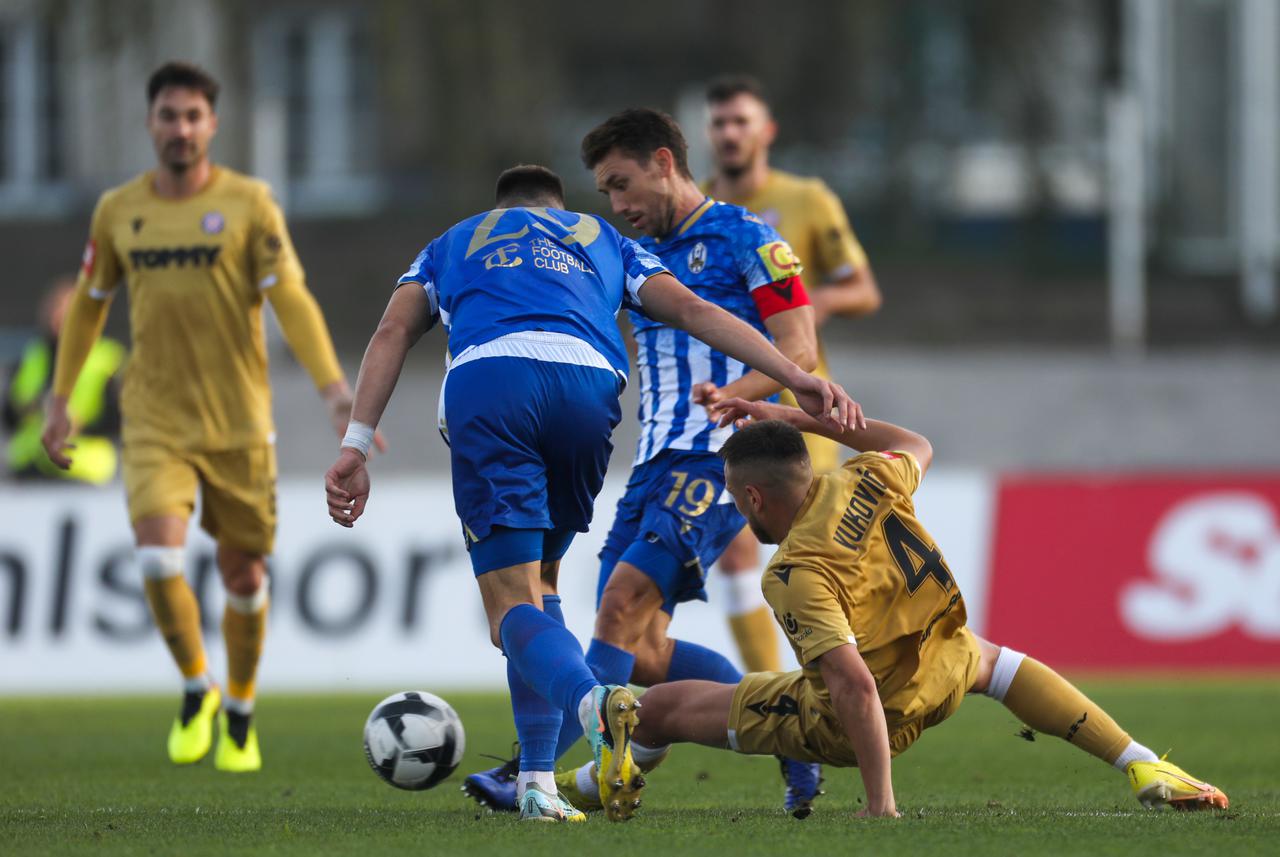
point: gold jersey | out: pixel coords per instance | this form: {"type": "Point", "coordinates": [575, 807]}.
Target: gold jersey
{"type": "Point", "coordinates": [811, 219]}
{"type": "Point", "coordinates": [858, 568]}
{"type": "Point", "coordinates": [197, 270]}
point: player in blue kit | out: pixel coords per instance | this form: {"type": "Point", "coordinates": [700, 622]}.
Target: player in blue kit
{"type": "Point", "coordinates": [675, 517]}
{"type": "Point", "coordinates": [528, 293]}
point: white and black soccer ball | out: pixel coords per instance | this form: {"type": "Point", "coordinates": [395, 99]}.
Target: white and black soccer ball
{"type": "Point", "coordinates": [413, 740]}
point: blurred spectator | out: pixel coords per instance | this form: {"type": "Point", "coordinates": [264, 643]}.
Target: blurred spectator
{"type": "Point", "coordinates": [94, 403]}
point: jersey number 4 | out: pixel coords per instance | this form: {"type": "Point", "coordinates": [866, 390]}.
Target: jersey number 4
{"type": "Point", "coordinates": [915, 559]}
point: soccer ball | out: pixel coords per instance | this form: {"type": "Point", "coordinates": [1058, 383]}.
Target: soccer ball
{"type": "Point", "coordinates": [413, 740]}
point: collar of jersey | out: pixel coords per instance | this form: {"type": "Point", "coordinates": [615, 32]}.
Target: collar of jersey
{"type": "Point", "coordinates": [692, 216]}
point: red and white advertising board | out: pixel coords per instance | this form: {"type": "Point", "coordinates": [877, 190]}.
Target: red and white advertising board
{"type": "Point", "coordinates": [1138, 571]}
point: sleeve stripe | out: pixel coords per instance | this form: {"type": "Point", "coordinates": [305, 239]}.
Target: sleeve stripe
{"type": "Point", "coordinates": [99, 294]}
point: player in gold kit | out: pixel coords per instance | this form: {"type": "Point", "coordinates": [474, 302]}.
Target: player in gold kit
{"type": "Point", "coordinates": [839, 280]}
{"type": "Point", "coordinates": [877, 623]}
{"type": "Point", "coordinates": [200, 248]}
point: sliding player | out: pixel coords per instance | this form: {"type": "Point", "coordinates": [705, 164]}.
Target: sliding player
{"type": "Point", "coordinates": [878, 623]}
{"type": "Point", "coordinates": [529, 293]}
{"type": "Point", "coordinates": [200, 248]}
{"type": "Point", "coordinates": [741, 129]}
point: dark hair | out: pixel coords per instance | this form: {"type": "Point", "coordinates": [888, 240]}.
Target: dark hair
{"type": "Point", "coordinates": [637, 132]}
{"type": "Point", "coordinates": [730, 86]}
{"type": "Point", "coordinates": [768, 442]}
{"type": "Point", "coordinates": [184, 75]}
{"type": "Point", "coordinates": [529, 183]}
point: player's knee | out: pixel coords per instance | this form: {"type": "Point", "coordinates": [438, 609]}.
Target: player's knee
{"type": "Point", "coordinates": [243, 573]}
{"type": "Point", "coordinates": [621, 617]}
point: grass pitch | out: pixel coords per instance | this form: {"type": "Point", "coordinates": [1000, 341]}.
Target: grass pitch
{"type": "Point", "coordinates": [90, 776]}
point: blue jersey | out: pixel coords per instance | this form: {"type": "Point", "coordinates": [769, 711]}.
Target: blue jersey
{"type": "Point", "coordinates": [723, 253]}
{"type": "Point", "coordinates": [514, 270]}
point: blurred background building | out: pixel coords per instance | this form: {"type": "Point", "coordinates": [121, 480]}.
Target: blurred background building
{"type": "Point", "coordinates": [979, 146]}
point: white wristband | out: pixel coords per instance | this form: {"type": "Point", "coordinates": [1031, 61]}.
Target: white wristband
{"type": "Point", "coordinates": [359, 437]}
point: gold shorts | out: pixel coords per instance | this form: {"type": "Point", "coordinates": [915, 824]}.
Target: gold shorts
{"type": "Point", "coordinates": [787, 714]}
{"type": "Point", "coordinates": [237, 490]}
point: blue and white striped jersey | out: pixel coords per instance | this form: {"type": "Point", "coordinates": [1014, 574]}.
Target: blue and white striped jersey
{"type": "Point", "coordinates": [723, 253]}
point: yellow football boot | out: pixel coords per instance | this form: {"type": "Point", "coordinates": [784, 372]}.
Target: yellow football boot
{"type": "Point", "coordinates": [567, 785]}
{"type": "Point", "coordinates": [191, 735]}
{"type": "Point", "coordinates": [237, 752]}
{"type": "Point", "coordinates": [1159, 784]}
{"type": "Point", "coordinates": [613, 718]}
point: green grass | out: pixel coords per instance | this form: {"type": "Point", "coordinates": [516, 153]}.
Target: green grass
{"type": "Point", "coordinates": [90, 776]}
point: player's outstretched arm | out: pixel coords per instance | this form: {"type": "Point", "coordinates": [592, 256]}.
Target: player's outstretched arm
{"type": "Point", "coordinates": [406, 318]}
{"type": "Point", "coordinates": [80, 330]}
{"type": "Point", "coordinates": [666, 300]}
{"type": "Point", "coordinates": [857, 704]}
{"type": "Point", "coordinates": [875, 435]}
{"type": "Point", "coordinates": [795, 335]}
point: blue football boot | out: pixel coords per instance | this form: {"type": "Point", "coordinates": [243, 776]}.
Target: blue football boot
{"type": "Point", "coordinates": [804, 783]}
{"type": "Point", "coordinates": [496, 787]}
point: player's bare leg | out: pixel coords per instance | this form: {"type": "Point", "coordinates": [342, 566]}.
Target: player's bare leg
{"type": "Point", "coordinates": [161, 542]}
{"type": "Point", "coordinates": [628, 619]}
{"type": "Point", "coordinates": [750, 619]}
{"type": "Point", "coordinates": [244, 627]}
{"type": "Point", "coordinates": [1048, 703]}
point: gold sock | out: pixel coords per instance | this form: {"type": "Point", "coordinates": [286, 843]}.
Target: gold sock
{"type": "Point", "coordinates": [177, 616]}
{"type": "Point", "coordinates": [1049, 703]}
{"type": "Point", "coordinates": [757, 636]}
{"type": "Point", "coordinates": [243, 633]}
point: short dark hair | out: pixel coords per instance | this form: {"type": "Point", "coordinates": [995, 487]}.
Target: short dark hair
{"type": "Point", "coordinates": [637, 132]}
{"type": "Point", "coordinates": [769, 442]}
{"type": "Point", "coordinates": [729, 86]}
{"type": "Point", "coordinates": [186, 76]}
{"type": "Point", "coordinates": [529, 183]}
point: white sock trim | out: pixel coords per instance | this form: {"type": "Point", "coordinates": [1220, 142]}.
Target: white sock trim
{"type": "Point", "coordinates": [1002, 674]}
{"type": "Point", "coordinates": [239, 706]}
{"type": "Point", "coordinates": [158, 563]}
{"type": "Point", "coordinates": [1135, 752]}
{"type": "Point", "coordinates": [249, 604]}
{"type": "Point", "coordinates": [644, 755]}
{"type": "Point", "coordinates": [197, 683]}
{"type": "Point", "coordinates": [545, 780]}
{"type": "Point", "coordinates": [586, 780]}
{"type": "Point", "coordinates": [733, 741]}
{"type": "Point", "coordinates": [743, 594]}
{"type": "Point", "coordinates": [584, 710]}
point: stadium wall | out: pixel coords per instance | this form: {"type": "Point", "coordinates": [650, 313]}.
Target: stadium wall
{"type": "Point", "coordinates": [1108, 573]}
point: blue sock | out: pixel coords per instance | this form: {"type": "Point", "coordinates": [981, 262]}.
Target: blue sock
{"type": "Point", "coordinates": [551, 606]}
{"type": "Point", "coordinates": [547, 657]}
{"type": "Point", "coordinates": [689, 660]}
{"type": "Point", "coordinates": [537, 724]}
{"type": "Point", "coordinates": [610, 665]}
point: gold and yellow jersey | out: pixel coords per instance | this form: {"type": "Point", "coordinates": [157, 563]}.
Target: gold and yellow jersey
{"type": "Point", "coordinates": [858, 568]}
{"type": "Point", "coordinates": [197, 271]}
{"type": "Point", "coordinates": [810, 218]}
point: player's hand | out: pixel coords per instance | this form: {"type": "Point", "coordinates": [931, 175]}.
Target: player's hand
{"type": "Point", "coordinates": [57, 428]}
{"type": "Point", "coordinates": [740, 411]}
{"type": "Point", "coordinates": [346, 488]}
{"type": "Point", "coordinates": [828, 403]}
{"type": "Point", "coordinates": [707, 394]}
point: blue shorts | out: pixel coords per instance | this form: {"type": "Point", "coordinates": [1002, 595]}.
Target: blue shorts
{"type": "Point", "coordinates": [529, 445]}
{"type": "Point", "coordinates": [670, 525]}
